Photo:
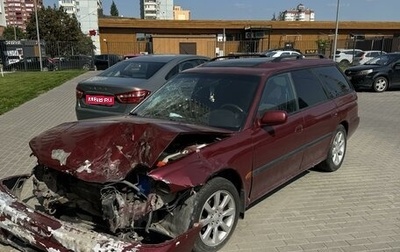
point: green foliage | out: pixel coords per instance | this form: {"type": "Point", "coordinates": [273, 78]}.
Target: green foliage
{"type": "Point", "coordinates": [13, 33]}
{"type": "Point", "coordinates": [56, 25]}
{"type": "Point", "coordinates": [113, 10]}
{"type": "Point", "coordinates": [20, 87]}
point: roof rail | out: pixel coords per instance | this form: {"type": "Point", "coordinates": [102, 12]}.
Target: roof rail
{"type": "Point", "coordinates": [262, 55]}
{"type": "Point", "coordinates": [297, 57]}
{"type": "Point", "coordinates": [239, 55]}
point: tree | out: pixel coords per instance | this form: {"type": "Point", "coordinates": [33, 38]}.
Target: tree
{"type": "Point", "coordinates": [60, 32]}
{"type": "Point", "coordinates": [13, 33]}
{"type": "Point", "coordinates": [114, 11]}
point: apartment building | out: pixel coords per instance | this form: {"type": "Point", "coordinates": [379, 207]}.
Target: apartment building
{"type": "Point", "coordinates": [86, 11]}
{"type": "Point", "coordinates": [300, 13]}
{"type": "Point", "coordinates": [157, 9]}
{"type": "Point", "coordinates": [18, 12]}
{"type": "Point", "coordinates": [2, 17]}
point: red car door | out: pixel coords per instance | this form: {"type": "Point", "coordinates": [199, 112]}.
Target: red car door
{"type": "Point", "coordinates": [278, 149]}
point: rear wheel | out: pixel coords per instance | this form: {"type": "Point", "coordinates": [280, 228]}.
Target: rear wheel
{"type": "Point", "coordinates": [86, 67]}
{"type": "Point", "coordinates": [337, 151]}
{"type": "Point", "coordinates": [380, 84]}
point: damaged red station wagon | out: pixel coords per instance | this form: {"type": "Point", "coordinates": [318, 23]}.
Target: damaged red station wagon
{"type": "Point", "coordinates": [178, 172]}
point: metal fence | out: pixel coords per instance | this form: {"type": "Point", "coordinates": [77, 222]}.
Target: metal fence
{"type": "Point", "coordinates": [23, 55]}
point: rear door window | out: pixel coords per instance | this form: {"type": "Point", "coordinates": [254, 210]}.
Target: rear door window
{"type": "Point", "coordinates": [308, 88]}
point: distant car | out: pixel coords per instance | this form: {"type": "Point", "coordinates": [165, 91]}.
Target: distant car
{"type": "Point", "coordinates": [280, 53]}
{"type": "Point", "coordinates": [345, 56]}
{"type": "Point", "coordinates": [73, 62]}
{"type": "Point", "coordinates": [104, 61]}
{"type": "Point", "coordinates": [378, 74]}
{"type": "Point", "coordinates": [121, 87]}
{"type": "Point", "coordinates": [31, 64]}
{"type": "Point", "coordinates": [362, 57]}
{"type": "Point", "coordinates": [131, 55]}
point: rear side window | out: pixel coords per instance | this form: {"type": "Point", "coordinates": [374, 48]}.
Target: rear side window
{"type": "Point", "coordinates": [334, 81]}
{"type": "Point", "coordinates": [308, 88]}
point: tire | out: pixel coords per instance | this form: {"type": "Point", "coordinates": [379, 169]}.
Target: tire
{"type": "Point", "coordinates": [380, 84]}
{"type": "Point", "coordinates": [344, 63]}
{"type": "Point", "coordinates": [337, 151]}
{"type": "Point", "coordinates": [194, 210]}
{"type": "Point", "coordinates": [86, 67]}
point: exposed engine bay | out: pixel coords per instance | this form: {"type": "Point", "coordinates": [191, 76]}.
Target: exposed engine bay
{"type": "Point", "coordinates": [137, 208]}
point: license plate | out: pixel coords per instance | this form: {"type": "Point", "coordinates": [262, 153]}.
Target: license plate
{"type": "Point", "coordinates": [100, 100]}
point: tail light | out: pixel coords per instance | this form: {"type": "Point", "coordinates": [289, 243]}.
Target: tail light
{"type": "Point", "coordinates": [134, 97]}
{"type": "Point", "coordinates": [78, 93]}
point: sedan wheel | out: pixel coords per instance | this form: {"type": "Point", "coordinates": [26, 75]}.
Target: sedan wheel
{"type": "Point", "coordinates": [218, 212]}
{"type": "Point", "coordinates": [86, 67]}
{"type": "Point", "coordinates": [337, 151]}
{"type": "Point", "coordinates": [380, 84]}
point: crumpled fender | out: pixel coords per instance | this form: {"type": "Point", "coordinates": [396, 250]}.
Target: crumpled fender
{"type": "Point", "coordinates": [47, 233]}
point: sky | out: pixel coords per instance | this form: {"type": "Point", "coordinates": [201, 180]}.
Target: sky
{"type": "Point", "coordinates": [325, 10]}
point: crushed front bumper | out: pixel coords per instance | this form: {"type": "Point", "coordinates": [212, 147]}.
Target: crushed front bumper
{"type": "Point", "coordinates": [27, 229]}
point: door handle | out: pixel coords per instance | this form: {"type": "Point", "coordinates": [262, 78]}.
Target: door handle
{"type": "Point", "coordinates": [298, 129]}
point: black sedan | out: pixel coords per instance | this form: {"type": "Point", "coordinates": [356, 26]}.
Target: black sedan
{"type": "Point", "coordinates": [378, 74]}
{"type": "Point", "coordinates": [121, 87]}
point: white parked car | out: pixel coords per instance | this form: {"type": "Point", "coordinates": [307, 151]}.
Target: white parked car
{"type": "Point", "coordinates": [345, 56]}
{"type": "Point", "coordinates": [280, 53]}
{"type": "Point", "coordinates": [363, 57]}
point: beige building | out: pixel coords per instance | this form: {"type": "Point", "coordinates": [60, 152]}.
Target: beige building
{"type": "Point", "coordinates": [181, 14]}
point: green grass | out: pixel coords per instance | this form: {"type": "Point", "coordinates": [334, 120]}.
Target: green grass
{"type": "Point", "coordinates": [20, 87]}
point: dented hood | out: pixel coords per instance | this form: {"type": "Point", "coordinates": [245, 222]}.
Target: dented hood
{"type": "Point", "coordinates": [106, 150]}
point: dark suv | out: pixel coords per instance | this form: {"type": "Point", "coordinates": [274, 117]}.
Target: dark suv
{"type": "Point", "coordinates": [378, 74]}
{"type": "Point", "coordinates": [178, 172]}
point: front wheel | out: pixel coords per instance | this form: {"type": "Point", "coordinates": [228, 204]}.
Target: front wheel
{"type": "Point", "coordinates": [380, 84]}
{"type": "Point", "coordinates": [216, 207]}
{"type": "Point", "coordinates": [337, 151]}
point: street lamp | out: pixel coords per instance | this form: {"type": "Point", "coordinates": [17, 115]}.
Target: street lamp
{"type": "Point", "coordinates": [336, 30]}
{"type": "Point", "coordinates": [38, 36]}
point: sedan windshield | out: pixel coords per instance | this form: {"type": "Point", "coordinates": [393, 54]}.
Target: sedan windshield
{"type": "Point", "coordinates": [133, 69]}
{"type": "Point", "coordinates": [216, 100]}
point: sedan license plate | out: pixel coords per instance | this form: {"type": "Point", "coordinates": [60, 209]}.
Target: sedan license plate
{"type": "Point", "coordinates": [100, 100]}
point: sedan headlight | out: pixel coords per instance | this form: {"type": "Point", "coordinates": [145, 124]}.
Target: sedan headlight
{"type": "Point", "coordinates": [365, 72]}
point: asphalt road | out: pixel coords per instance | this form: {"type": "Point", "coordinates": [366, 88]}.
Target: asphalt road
{"type": "Point", "coordinates": [356, 208]}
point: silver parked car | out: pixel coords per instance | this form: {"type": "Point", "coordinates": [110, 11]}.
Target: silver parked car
{"type": "Point", "coordinates": [121, 87]}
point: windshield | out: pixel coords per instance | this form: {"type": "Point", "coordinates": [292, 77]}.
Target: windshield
{"type": "Point", "coordinates": [216, 100]}
{"type": "Point", "coordinates": [270, 54]}
{"type": "Point", "coordinates": [133, 69]}
{"type": "Point", "coordinates": [382, 60]}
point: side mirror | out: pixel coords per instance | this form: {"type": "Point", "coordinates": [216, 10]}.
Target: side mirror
{"type": "Point", "coordinates": [273, 117]}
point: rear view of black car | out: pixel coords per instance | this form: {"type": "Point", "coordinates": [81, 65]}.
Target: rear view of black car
{"type": "Point", "coordinates": [378, 74]}
{"type": "Point", "coordinates": [104, 61]}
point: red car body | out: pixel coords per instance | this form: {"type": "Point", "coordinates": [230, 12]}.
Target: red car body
{"type": "Point", "coordinates": [94, 158]}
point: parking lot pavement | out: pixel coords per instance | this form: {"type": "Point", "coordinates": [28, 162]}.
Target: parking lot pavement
{"type": "Point", "coordinates": [356, 208]}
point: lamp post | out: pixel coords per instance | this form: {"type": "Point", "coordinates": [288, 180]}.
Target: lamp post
{"type": "Point", "coordinates": [336, 30]}
{"type": "Point", "coordinates": [38, 36]}
{"type": "Point", "coordinates": [108, 55]}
